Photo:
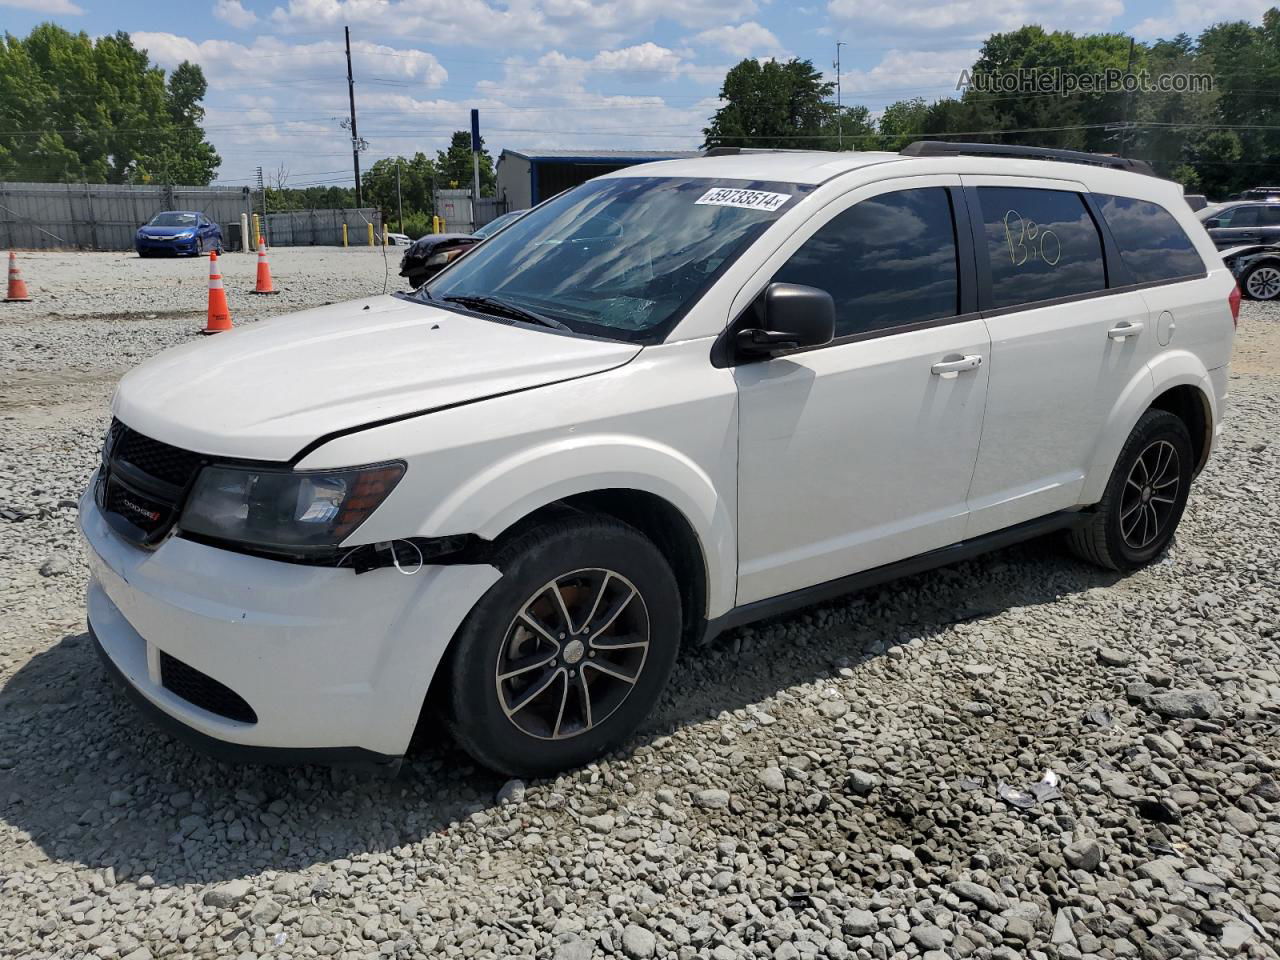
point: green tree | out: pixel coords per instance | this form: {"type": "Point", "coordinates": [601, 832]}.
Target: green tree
{"type": "Point", "coordinates": [783, 105]}
{"type": "Point", "coordinates": [453, 166]}
{"type": "Point", "coordinates": [73, 108]}
{"type": "Point", "coordinates": [417, 186]}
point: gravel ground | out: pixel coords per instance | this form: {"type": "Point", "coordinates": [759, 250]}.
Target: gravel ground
{"type": "Point", "coordinates": [841, 783]}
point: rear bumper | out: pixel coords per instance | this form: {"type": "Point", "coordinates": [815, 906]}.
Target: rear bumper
{"type": "Point", "coordinates": [334, 665]}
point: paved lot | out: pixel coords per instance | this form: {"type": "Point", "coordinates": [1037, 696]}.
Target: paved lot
{"type": "Point", "coordinates": [821, 786]}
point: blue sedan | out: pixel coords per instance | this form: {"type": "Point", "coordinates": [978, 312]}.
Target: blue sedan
{"type": "Point", "coordinates": [178, 231]}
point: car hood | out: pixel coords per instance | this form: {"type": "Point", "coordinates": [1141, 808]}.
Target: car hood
{"type": "Point", "coordinates": [265, 391]}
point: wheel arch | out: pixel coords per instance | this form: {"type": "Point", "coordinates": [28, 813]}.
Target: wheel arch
{"type": "Point", "coordinates": [1177, 382]}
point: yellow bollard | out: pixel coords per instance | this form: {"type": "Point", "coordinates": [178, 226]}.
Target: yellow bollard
{"type": "Point", "coordinates": [257, 232]}
{"type": "Point", "coordinates": [344, 234]}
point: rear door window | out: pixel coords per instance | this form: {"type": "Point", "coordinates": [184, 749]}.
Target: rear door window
{"type": "Point", "coordinates": [1152, 244]}
{"type": "Point", "coordinates": [1242, 217]}
{"type": "Point", "coordinates": [888, 261]}
{"type": "Point", "coordinates": [1041, 245]}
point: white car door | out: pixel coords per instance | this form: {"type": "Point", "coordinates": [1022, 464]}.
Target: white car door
{"type": "Point", "coordinates": [1063, 347]}
{"type": "Point", "coordinates": [860, 453]}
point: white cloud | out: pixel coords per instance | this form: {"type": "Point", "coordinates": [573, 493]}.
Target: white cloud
{"type": "Point", "coordinates": [1184, 16]}
{"type": "Point", "coordinates": [904, 74]}
{"type": "Point", "coordinates": [514, 23]}
{"type": "Point", "coordinates": [741, 40]}
{"type": "Point", "coordinates": [227, 63]}
{"type": "Point", "coordinates": [962, 20]}
{"type": "Point", "coordinates": [62, 7]}
{"type": "Point", "coordinates": [234, 13]}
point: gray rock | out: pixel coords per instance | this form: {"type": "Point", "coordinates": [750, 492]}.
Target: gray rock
{"type": "Point", "coordinates": [1185, 704]}
{"type": "Point", "coordinates": [928, 937]}
{"type": "Point", "coordinates": [55, 566]}
{"type": "Point", "coordinates": [772, 778]}
{"type": "Point", "coordinates": [1112, 657]}
{"type": "Point", "coordinates": [638, 943]}
{"type": "Point", "coordinates": [861, 782]}
{"type": "Point", "coordinates": [1083, 855]}
{"type": "Point", "coordinates": [990, 900]}
{"type": "Point", "coordinates": [1243, 821]}
{"type": "Point", "coordinates": [512, 792]}
{"type": "Point", "coordinates": [228, 894]}
{"type": "Point", "coordinates": [711, 799]}
{"type": "Point", "coordinates": [573, 948]}
{"type": "Point", "coordinates": [859, 923]}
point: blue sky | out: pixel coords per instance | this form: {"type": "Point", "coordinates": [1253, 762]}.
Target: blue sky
{"type": "Point", "coordinates": [615, 74]}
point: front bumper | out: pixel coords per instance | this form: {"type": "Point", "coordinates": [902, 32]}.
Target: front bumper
{"type": "Point", "coordinates": [334, 665]}
{"type": "Point", "coordinates": [148, 244]}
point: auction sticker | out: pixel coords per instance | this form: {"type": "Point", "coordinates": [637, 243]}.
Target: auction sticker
{"type": "Point", "coordinates": [747, 199]}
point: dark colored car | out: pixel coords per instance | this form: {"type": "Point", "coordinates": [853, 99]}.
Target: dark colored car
{"type": "Point", "coordinates": [428, 255]}
{"type": "Point", "coordinates": [1257, 270]}
{"type": "Point", "coordinates": [178, 231]}
{"type": "Point", "coordinates": [1242, 222]}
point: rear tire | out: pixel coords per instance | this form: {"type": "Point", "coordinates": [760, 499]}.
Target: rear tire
{"type": "Point", "coordinates": [567, 654]}
{"type": "Point", "coordinates": [1143, 503]}
{"type": "Point", "coordinates": [1262, 282]}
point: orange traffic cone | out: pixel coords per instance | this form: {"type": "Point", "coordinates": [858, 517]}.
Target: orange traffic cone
{"type": "Point", "coordinates": [17, 286]}
{"type": "Point", "coordinates": [219, 317]}
{"type": "Point", "coordinates": [264, 272]}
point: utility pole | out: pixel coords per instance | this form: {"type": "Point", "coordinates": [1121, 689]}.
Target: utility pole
{"type": "Point", "coordinates": [355, 137]}
{"type": "Point", "coordinates": [399, 201]}
{"type": "Point", "coordinates": [839, 111]}
{"type": "Point", "coordinates": [1128, 102]}
{"type": "Point", "coordinates": [475, 165]}
{"type": "Point", "coordinates": [262, 190]}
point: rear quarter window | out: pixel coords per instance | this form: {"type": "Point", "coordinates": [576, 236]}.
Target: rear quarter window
{"type": "Point", "coordinates": [1041, 245]}
{"type": "Point", "coordinates": [1152, 244]}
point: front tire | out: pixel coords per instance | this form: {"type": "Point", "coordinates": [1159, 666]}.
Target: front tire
{"type": "Point", "coordinates": [568, 653]}
{"type": "Point", "coordinates": [1262, 282]}
{"type": "Point", "coordinates": [1143, 503]}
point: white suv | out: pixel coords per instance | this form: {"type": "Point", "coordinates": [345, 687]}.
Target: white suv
{"type": "Point", "coordinates": [672, 400]}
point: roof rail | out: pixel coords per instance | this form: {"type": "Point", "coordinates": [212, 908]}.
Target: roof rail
{"type": "Point", "coordinates": [945, 148]}
{"type": "Point", "coordinates": [735, 151]}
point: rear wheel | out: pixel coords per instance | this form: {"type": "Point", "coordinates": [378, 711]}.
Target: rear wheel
{"type": "Point", "coordinates": [1144, 499]}
{"type": "Point", "coordinates": [1263, 282]}
{"type": "Point", "coordinates": [565, 655]}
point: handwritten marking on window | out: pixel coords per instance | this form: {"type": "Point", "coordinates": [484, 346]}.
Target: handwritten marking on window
{"type": "Point", "coordinates": [1028, 241]}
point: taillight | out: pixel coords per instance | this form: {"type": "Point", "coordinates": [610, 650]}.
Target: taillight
{"type": "Point", "coordinates": [1233, 301]}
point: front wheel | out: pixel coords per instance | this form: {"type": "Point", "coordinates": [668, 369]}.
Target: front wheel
{"type": "Point", "coordinates": [1263, 282]}
{"type": "Point", "coordinates": [1144, 499]}
{"type": "Point", "coordinates": [565, 655]}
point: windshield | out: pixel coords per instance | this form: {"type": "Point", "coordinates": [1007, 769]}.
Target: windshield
{"type": "Point", "coordinates": [493, 226]}
{"type": "Point", "coordinates": [173, 220]}
{"type": "Point", "coordinates": [619, 257]}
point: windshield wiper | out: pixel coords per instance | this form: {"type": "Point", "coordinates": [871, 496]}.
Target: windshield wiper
{"type": "Point", "coordinates": [506, 308]}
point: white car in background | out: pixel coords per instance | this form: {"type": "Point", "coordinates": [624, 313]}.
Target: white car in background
{"type": "Point", "coordinates": [667, 402]}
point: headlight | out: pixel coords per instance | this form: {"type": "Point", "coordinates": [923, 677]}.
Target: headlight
{"type": "Point", "coordinates": [437, 259]}
{"type": "Point", "coordinates": [286, 511]}
{"type": "Point", "coordinates": [186, 234]}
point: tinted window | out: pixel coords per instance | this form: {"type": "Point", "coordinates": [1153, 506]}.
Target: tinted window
{"type": "Point", "coordinates": [1271, 215]}
{"type": "Point", "coordinates": [887, 261]}
{"type": "Point", "coordinates": [1241, 217]}
{"type": "Point", "coordinates": [1151, 243]}
{"type": "Point", "coordinates": [1042, 244]}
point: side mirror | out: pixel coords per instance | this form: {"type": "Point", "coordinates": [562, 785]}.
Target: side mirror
{"type": "Point", "coordinates": [1212, 222]}
{"type": "Point", "coordinates": [794, 316]}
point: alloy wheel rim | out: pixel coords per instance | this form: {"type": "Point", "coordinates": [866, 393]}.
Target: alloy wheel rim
{"type": "Point", "coordinates": [572, 654]}
{"type": "Point", "coordinates": [1150, 494]}
{"type": "Point", "coordinates": [1264, 283]}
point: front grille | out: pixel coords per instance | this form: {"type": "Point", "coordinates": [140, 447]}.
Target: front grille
{"type": "Point", "coordinates": [202, 691]}
{"type": "Point", "coordinates": [142, 483]}
{"type": "Point", "coordinates": [152, 457]}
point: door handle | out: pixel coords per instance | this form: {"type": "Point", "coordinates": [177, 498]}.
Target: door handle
{"type": "Point", "coordinates": [1129, 328]}
{"type": "Point", "coordinates": [953, 367]}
